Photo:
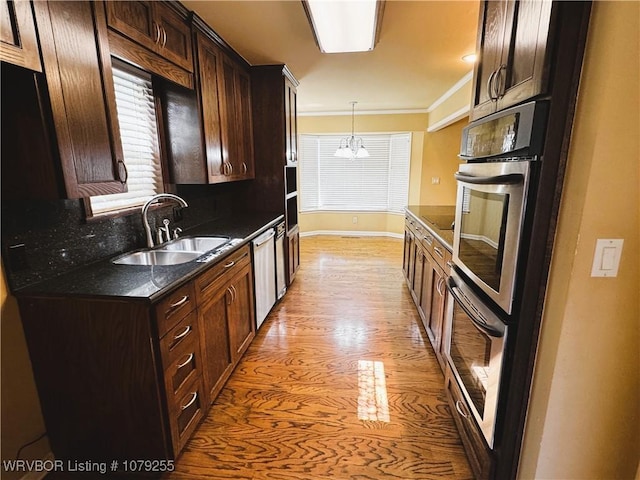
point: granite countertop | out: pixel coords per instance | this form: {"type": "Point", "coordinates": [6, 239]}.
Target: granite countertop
{"type": "Point", "coordinates": [106, 279]}
{"type": "Point", "coordinates": [438, 219]}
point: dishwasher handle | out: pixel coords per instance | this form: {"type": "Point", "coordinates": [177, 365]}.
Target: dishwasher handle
{"type": "Point", "coordinates": [262, 240]}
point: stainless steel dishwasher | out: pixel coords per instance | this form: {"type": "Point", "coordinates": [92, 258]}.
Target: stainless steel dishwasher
{"type": "Point", "coordinates": [264, 274]}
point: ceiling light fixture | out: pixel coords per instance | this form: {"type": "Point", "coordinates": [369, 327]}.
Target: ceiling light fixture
{"type": "Point", "coordinates": [352, 147]}
{"type": "Point", "coordinates": [471, 58]}
{"type": "Point", "coordinates": [345, 26]}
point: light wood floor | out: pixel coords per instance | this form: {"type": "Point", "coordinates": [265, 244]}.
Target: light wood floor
{"type": "Point", "coordinates": [291, 408]}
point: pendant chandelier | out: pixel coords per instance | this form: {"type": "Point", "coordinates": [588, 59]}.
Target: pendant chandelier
{"type": "Point", "coordinates": [352, 147]}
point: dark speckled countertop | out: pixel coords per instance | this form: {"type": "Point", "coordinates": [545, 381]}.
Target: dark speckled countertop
{"type": "Point", "coordinates": [438, 219]}
{"type": "Point", "coordinates": [106, 279]}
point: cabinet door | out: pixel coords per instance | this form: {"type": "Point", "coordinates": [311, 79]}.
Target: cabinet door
{"type": "Point", "coordinates": [209, 62]}
{"type": "Point", "coordinates": [405, 253]}
{"type": "Point", "coordinates": [244, 163]}
{"type": "Point", "coordinates": [237, 139]}
{"type": "Point", "coordinates": [79, 78]}
{"type": "Point", "coordinates": [419, 268]}
{"type": "Point", "coordinates": [491, 38]}
{"type": "Point", "coordinates": [154, 26]}
{"type": "Point", "coordinates": [433, 302]}
{"type": "Point", "coordinates": [174, 42]}
{"type": "Point", "coordinates": [293, 253]}
{"type": "Point", "coordinates": [436, 316]}
{"type": "Point", "coordinates": [523, 74]}
{"type": "Point", "coordinates": [18, 41]}
{"type": "Point", "coordinates": [134, 19]}
{"type": "Point", "coordinates": [214, 341]}
{"type": "Point", "coordinates": [412, 258]}
{"type": "Point", "coordinates": [240, 309]}
{"type": "Point", "coordinates": [291, 122]}
{"type": "Point", "coordinates": [230, 149]}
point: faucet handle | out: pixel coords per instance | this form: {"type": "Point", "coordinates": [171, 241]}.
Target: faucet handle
{"type": "Point", "coordinates": [176, 232]}
{"type": "Point", "coordinates": [160, 236]}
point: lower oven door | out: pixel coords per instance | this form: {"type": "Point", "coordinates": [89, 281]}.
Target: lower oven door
{"type": "Point", "coordinates": [474, 348]}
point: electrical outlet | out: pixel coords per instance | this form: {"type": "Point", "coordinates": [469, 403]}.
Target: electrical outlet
{"type": "Point", "coordinates": [435, 180]}
{"type": "Point", "coordinates": [354, 220]}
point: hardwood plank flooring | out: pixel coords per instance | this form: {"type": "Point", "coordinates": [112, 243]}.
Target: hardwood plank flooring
{"type": "Point", "coordinates": [293, 407]}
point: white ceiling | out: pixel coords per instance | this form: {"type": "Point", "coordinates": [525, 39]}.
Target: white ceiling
{"type": "Point", "coordinates": [417, 58]}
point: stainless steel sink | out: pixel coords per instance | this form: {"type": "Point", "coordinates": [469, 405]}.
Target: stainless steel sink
{"type": "Point", "coordinates": [195, 244]}
{"type": "Point", "coordinates": [157, 257]}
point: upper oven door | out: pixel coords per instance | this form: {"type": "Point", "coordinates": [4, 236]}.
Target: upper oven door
{"type": "Point", "coordinates": [488, 225]}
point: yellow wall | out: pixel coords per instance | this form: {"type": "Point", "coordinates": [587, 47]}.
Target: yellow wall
{"type": "Point", "coordinates": [584, 418]}
{"type": "Point", "coordinates": [432, 154]}
{"type": "Point", "coordinates": [21, 417]}
{"type": "Point", "coordinates": [440, 159]}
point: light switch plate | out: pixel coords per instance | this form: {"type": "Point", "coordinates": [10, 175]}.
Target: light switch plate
{"type": "Point", "coordinates": [606, 258]}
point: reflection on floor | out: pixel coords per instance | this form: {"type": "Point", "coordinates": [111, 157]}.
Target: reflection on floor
{"type": "Point", "coordinates": [346, 341]}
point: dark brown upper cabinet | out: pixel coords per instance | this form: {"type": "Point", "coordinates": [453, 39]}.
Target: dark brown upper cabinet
{"type": "Point", "coordinates": [513, 54]}
{"type": "Point", "coordinates": [18, 40]}
{"type": "Point", "coordinates": [154, 25]}
{"type": "Point", "coordinates": [237, 130]}
{"type": "Point", "coordinates": [71, 144]}
{"type": "Point", "coordinates": [220, 106]}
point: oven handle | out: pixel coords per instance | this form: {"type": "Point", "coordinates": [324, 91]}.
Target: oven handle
{"type": "Point", "coordinates": [485, 328]}
{"type": "Point", "coordinates": [509, 179]}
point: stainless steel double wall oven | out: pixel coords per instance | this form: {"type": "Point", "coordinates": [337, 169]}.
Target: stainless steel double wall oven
{"type": "Point", "coordinates": [501, 152]}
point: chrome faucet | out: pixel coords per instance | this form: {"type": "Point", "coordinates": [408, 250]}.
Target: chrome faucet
{"type": "Point", "coordinates": [145, 208]}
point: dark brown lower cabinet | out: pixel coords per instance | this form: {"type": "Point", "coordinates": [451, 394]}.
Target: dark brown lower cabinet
{"type": "Point", "coordinates": [129, 379]}
{"type": "Point", "coordinates": [293, 255]}
{"type": "Point", "coordinates": [226, 317]}
{"type": "Point", "coordinates": [425, 266]}
{"type": "Point", "coordinates": [478, 453]}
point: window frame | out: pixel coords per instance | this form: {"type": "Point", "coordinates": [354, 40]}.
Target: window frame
{"type": "Point", "coordinates": [316, 190]}
{"type": "Point", "coordinates": [90, 215]}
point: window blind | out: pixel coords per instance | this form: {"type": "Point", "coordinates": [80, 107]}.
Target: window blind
{"type": "Point", "coordinates": [377, 183]}
{"type": "Point", "coordinates": [139, 134]}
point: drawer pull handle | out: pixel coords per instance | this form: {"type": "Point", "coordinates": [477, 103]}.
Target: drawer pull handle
{"type": "Point", "coordinates": [428, 239]}
{"type": "Point", "coordinates": [187, 329]}
{"type": "Point", "coordinates": [230, 264]}
{"type": "Point", "coordinates": [180, 302]}
{"type": "Point", "coordinates": [459, 408]}
{"type": "Point", "coordinates": [186, 362]}
{"type": "Point", "coordinates": [438, 252]}
{"type": "Point", "coordinates": [194, 396]}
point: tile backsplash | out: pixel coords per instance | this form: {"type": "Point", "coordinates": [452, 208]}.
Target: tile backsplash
{"type": "Point", "coordinates": [42, 239]}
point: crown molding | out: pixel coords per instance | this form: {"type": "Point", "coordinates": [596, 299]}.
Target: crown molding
{"type": "Point", "coordinates": [457, 86]}
{"type": "Point", "coordinates": [363, 112]}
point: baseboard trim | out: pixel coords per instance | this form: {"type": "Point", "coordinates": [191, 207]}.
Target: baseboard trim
{"type": "Point", "coordinates": [351, 233]}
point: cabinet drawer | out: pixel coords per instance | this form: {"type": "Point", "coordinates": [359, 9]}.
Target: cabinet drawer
{"type": "Point", "coordinates": [186, 410]}
{"type": "Point", "coordinates": [212, 280]}
{"type": "Point", "coordinates": [478, 453]}
{"type": "Point", "coordinates": [183, 333]}
{"type": "Point", "coordinates": [441, 254]}
{"type": "Point", "coordinates": [428, 241]}
{"type": "Point", "coordinates": [182, 366]}
{"type": "Point", "coordinates": [174, 307]}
